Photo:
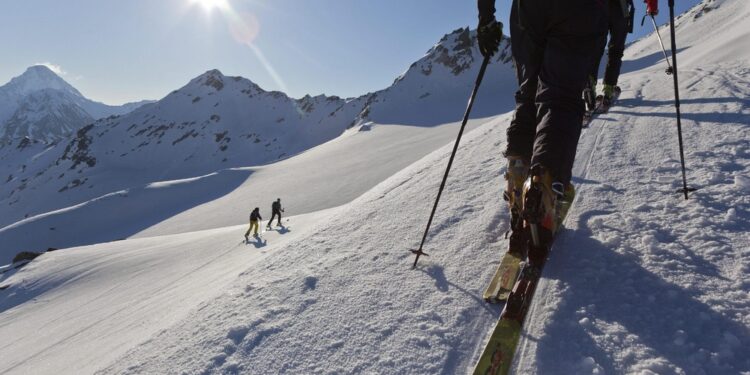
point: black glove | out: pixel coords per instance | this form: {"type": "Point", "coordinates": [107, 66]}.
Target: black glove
{"type": "Point", "coordinates": [489, 35]}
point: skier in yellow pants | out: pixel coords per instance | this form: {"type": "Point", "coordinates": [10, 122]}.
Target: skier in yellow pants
{"type": "Point", "coordinates": [254, 220]}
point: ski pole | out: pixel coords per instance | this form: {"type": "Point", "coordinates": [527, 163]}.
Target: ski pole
{"type": "Point", "coordinates": [419, 251]}
{"type": "Point", "coordinates": [685, 188]}
{"type": "Point", "coordinates": [669, 67]}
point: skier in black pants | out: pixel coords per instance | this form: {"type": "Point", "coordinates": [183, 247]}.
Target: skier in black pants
{"type": "Point", "coordinates": [621, 13]}
{"type": "Point", "coordinates": [553, 44]}
{"type": "Point", "coordinates": [276, 210]}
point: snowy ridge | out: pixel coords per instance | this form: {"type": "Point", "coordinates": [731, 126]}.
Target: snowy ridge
{"type": "Point", "coordinates": [433, 90]}
{"type": "Point", "coordinates": [41, 106]}
{"type": "Point", "coordinates": [36, 78]}
{"type": "Point", "coordinates": [45, 115]}
{"type": "Point", "coordinates": [699, 26]}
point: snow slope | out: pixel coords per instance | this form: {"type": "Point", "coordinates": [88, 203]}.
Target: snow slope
{"type": "Point", "coordinates": [644, 281]}
{"type": "Point", "coordinates": [79, 308]}
{"type": "Point", "coordinates": [641, 281]}
{"type": "Point", "coordinates": [356, 161]}
{"type": "Point", "coordinates": [217, 123]}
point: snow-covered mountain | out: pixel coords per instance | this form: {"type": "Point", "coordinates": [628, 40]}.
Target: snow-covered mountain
{"type": "Point", "coordinates": [434, 89]}
{"type": "Point", "coordinates": [42, 106]}
{"type": "Point", "coordinates": [640, 281]}
{"type": "Point", "coordinates": [217, 122]}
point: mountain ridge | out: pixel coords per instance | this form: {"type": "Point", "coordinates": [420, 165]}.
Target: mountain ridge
{"type": "Point", "coordinates": [216, 122]}
{"type": "Point", "coordinates": [42, 106]}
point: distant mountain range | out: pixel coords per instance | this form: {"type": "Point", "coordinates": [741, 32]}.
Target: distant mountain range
{"type": "Point", "coordinates": [41, 106]}
{"type": "Point", "coordinates": [216, 122]}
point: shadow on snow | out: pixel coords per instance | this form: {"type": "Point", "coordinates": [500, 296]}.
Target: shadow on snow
{"type": "Point", "coordinates": [614, 289]}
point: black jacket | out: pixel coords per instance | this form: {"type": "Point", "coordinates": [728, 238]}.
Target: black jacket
{"type": "Point", "coordinates": [276, 206]}
{"type": "Point", "coordinates": [255, 216]}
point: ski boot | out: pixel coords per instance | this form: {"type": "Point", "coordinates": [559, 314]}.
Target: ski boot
{"type": "Point", "coordinates": [518, 170]}
{"type": "Point", "coordinates": [589, 94]}
{"type": "Point", "coordinates": [540, 213]}
{"type": "Point", "coordinates": [601, 104]}
{"type": "Point", "coordinates": [610, 93]}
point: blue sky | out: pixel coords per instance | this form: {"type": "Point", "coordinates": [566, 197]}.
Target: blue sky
{"type": "Point", "coordinates": [124, 50]}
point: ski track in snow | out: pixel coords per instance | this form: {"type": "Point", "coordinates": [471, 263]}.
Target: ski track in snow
{"type": "Point", "coordinates": [643, 281]}
{"type": "Point", "coordinates": [322, 300]}
{"type": "Point", "coordinates": [640, 281]}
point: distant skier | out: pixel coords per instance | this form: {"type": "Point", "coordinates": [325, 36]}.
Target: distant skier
{"type": "Point", "coordinates": [276, 211]}
{"type": "Point", "coordinates": [254, 220]}
{"type": "Point", "coordinates": [553, 44]}
{"type": "Point", "coordinates": [621, 13]}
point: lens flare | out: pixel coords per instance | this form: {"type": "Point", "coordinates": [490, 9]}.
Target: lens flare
{"type": "Point", "coordinates": [244, 27]}
{"type": "Point", "coordinates": [210, 5]}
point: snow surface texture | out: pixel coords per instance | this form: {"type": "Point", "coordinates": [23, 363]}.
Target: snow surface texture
{"type": "Point", "coordinates": [67, 301]}
{"type": "Point", "coordinates": [640, 282]}
{"type": "Point", "coordinates": [643, 281]}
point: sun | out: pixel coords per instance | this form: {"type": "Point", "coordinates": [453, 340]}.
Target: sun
{"type": "Point", "coordinates": [210, 5]}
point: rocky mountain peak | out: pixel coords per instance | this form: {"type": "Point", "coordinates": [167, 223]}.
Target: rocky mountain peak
{"type": "Point", "coordinates": [39, 77]}
{"type": "Point", "coordinates": [212, 78]}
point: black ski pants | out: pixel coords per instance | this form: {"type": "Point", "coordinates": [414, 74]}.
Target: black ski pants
{"type": "Point", "coordinates": [553, 44]}
{"type": "Point", "coordinates": [273, 216]}
{"type": "Point", "coordinates": [618, 32]}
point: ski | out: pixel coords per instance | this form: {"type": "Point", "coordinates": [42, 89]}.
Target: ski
{"type": "Point", "coordinates": [505, 276]}
{"type": "Point", "coordinates": [497, 357]}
